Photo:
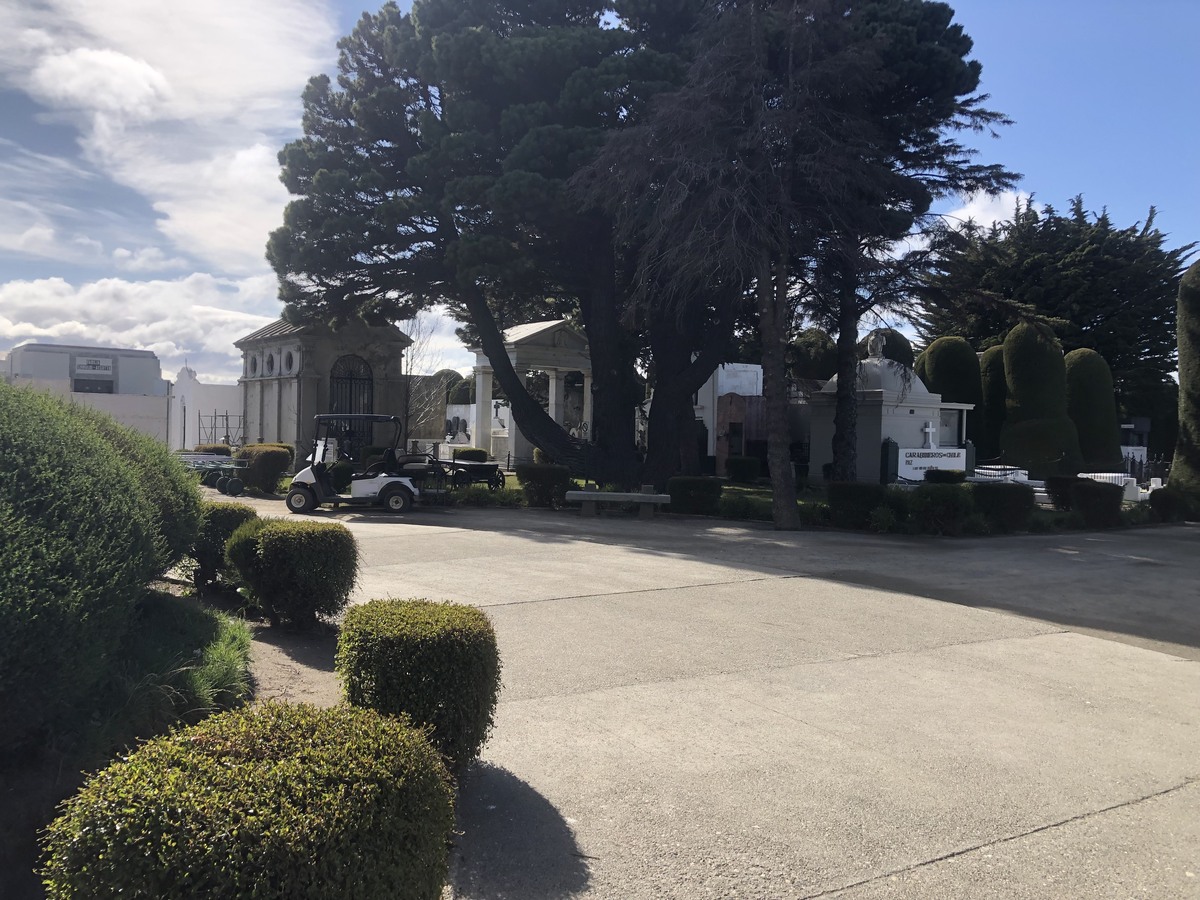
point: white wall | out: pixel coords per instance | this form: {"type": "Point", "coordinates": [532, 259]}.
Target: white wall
{"type": "Point", "coordinates": [192, 399]}
{"type": "Point", "coordinates": [149, 415]}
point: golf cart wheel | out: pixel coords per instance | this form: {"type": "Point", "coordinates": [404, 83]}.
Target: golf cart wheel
{"type": "Point", "coordinates": [211, 478]}
{"type": "Point", "coordinates": [234, 486]}
{"type": "Point", "coordinates": [223, 484]}
{"type": "Point", "coordinates": [397, 500]}
{"type": "Point", "coordinates": [496, 482]}
{"type": "Point", "coordinates": [301, 500]}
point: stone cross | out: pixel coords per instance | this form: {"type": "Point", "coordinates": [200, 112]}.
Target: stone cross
{"type": "Point", "coordinates": [930, 432]}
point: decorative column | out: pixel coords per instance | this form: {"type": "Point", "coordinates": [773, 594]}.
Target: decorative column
{"type": "Point", "coordinates": [556, 378]}
{"type": "Point", "coordinates": [481, 431]}
{"type": "Point", "coordinates": [587, 403]}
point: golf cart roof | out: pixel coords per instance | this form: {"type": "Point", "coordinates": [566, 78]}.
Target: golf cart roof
{"type": "Point", "coordinates": [355, 417]}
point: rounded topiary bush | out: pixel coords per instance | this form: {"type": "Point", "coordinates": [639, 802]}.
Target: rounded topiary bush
{"type": "Point", "coordinates": [218, 522]}
{"type": "Point", "coordinates": [265, 465]}
{"type": "Point", "coordinates": [1185, 470]}
{"type": "Point", "coordinates": [851, 503]}
{"type": "Point", "coordinates": [696, 495]}
{"type": "Point", "coordinates": [1173, 505]}
{"type": "Point", "coordinates": [1099, 504]}
{"type": "Point", "coordinates": [951, 369]}
{"type": "Point", "coordinates": [168, 488]}
{"type": "Point", "coordinates": [1007, 507]}
{"type": "Point", "coordinates": [940, 508]}
{"type": "Point", "coordinates": [743, 469]}
{"type": "Point", "coordinates": [1060, 490]}
{"type": "Point", "coordinates": [543, 484]}
{"type": "Point", "coordinates": [271, 801]}
{"type": "Point", "coordinates": [214, 449]}
{"type": "Point", "coordinates": [435, 662]}
{"type": "Point", "coordinates": [994, 411]}
{"type": "Point", "coordinates": [242, 553]}
{"type": "Point", "coordinates": [1092, 406]}
{"type": "Point", "coordinates": [299, 570]}
{"type": "Point", "coordinates": [945, 476]}
{"type": "Point", "coordinates": [78, 547]}
{"type": "Point", "coordinates": [1038, 435]}
{"type": "Point", "coordinates": [470, 454]}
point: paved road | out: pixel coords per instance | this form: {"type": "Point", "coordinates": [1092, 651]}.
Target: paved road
{"type": "Point", "coordinates": [695, 709]}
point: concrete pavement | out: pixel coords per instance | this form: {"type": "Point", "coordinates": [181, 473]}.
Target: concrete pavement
{"type": "Point", "coordinates": [698, 709]}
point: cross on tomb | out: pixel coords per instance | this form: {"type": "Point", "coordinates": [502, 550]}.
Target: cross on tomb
{"type": "Point", "coordinates": [930, 432]}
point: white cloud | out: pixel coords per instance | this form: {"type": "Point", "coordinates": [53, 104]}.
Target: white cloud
{"type": "Point", "coordinates": [196, 318]}
{"type": "Point", "coordinates": [185, 104]}
{"type": "Point", "coordinates": [26, 230]}
{"type": "Point", "coordinates": [145, 259]}
{"type": "Point", "coordinates": [986, 211]}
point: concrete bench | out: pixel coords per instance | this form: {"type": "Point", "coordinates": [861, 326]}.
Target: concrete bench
{"type": "Point", "coordinates": [647, 500]}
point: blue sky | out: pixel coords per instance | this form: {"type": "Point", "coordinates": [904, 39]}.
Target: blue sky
{"type": "Point", "coordinates": [138, 178]}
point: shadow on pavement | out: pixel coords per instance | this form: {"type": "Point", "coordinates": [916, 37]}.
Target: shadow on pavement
{"type": "Point", "coordinates": [512, 842]}
{"type": "Point", "coordinates": [313, 649]}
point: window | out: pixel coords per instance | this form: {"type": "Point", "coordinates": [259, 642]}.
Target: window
{"type": "Point", "coordinates": [289, 362]}
{"type": "Point", "coordinates": [254, 365]}
{"type": "Point", "coordinates": [91, 386]}
{"type": "Point", "coordinates": [270, 363]}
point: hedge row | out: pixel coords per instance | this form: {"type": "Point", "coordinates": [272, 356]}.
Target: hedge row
{"type": "Point", "coordinates": [695, 495]}
{"type": "Point", "coordinates": [932, 508]}
{"type": "Point", "coordinates": [270, 801]}
{"type": "Point", "coordinates": [265, 465]}
{"type": "Point", "coordinates": [544, 484]}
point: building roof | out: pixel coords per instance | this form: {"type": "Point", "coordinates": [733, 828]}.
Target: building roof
{"type": "Point", "coordinates": [277, 329]}
{"type": "Point", "coordinates": [74, 348]}
{"type": "Point", "coordinates": [520, 333]}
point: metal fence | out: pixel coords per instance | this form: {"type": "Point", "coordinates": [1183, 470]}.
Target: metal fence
{"type": "Point", "coordinates": [1145, 469]}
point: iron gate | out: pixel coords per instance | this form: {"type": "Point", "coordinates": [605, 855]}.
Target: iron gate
{"type": "Point", "coordinates": [352, 391]}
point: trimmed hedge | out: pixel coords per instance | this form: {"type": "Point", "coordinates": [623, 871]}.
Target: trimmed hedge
{"type": "Point", "coordinates": [743, 469]}
{"type": "Point", "coordinates": [168, 488]}
{"type": "Point", "coordinates": [78, 548]}
{"type": "Point", "coordinates": [1007, 507]}
{"type": "Point", "coordinates": [1038, 435]}
{"type": "Point", "coordinates": [265, 465]}
{"type": "Point", "coordinates": [470, 454]}
{"type": "Point", "coordinates": [1060, 490]}
{"type": "Point", "coordinates": [434, 662]}
{"type": "Point", "coordinates": [543, 484]}
{"type": "Point", "coordinates": [218, 522]}
{"type": "Point", "coordinates": [951, 369]}
{"type": "Point", "coordinates": [740, 506]}
{"type": "Point", "coordinates": [296, 570]}
{"type": "Point", "coordinates": [696, 495]}
{"type": "Point", "coordinates": [994, 411]}
{"type": "Point", "coordinates": [1098, 503]}
{"type": "Point", "coordinates": [1170, 504]}
{"type": "Point", "coordinates": [941, 508]}
{"type": "Point", "coordinates": [271, 801]}
{"type": "Point", "coordinates": [1092, 406]}
{"type": "Point", "coordinates": [215, 449]}
{"type": "Point", "coordinates": [945, 476]}
{"type": "Point", "coordinates": [851, 503]}
{"type": "Point", "coordinates": [1185, 470]}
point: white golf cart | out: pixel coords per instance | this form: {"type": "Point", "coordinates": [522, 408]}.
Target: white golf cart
{"type": "Point", "coordinates": [393, 482]}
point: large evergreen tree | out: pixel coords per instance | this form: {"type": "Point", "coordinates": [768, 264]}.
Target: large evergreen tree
{"type": "Point", "coordinates": [1101, 287]}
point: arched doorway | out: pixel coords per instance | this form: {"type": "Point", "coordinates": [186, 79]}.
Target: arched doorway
{"type": "Point", "coordinates": [352, 391]}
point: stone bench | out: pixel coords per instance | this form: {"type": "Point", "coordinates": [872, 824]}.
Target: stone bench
{"type": "Point", "coordinates": [647, 500]}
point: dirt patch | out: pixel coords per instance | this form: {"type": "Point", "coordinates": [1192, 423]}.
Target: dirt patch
{"type": "Point", "coordinates": [294, 667]}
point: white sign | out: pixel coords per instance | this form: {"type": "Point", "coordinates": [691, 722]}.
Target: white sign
{"type": "Point", "coordinates": [93, 365]}
{"type": "Point", "coordinates": [913, 463]}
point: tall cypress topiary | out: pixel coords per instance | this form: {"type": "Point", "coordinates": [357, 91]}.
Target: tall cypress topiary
{"type": "Point", "coordinates": [951, 369]}
{"type": "Point", "coordinates": [1185, 470]}
{"type": "Point", "coordinates": [1092, 406]}
{"type": "Point", "coordinates": [1038, 435]}
{"type": "Point", "coordinates": [995, 401]}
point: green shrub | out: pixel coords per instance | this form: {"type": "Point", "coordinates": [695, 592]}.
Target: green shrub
{"type": "Point", "coordinates": [994, 410]}
{"type": "Point", "coordinates": [945, 476]}
{"type": "Point", "coordinates": [695, 495]}
{"type": "Point", "coordinates": [1059, 490]}
{"type": "Point", "coordinates": [1185, 470]}
{"type": "Point", "coordinates": [882, 520]}
{"type": "Point", "coordinates": [264, 466]}
{"type": "Point", "coordinates": [544, 485]}
{"type": "Point", "coordinates": [270, 801]}
{"type": "Point", "coordinates": [1043, 447]}
{"type": "Point", "coordinates": [166, 486]}
{"type": "Point", "coordinates": [952, 370]}
{"type": "Point", "coordinates": [78, 547]}
{"type": "Point", "coordinates": [290, 449]}
{"type": "Point", "coordinates": [1092, 406]}
{"type": "Point", "coordinates": [814, 514]}
{"type": "Point", "coordinates": [300, 569]}
{"type": "Point", "coordinates": [1099, 504]}
{"type": "Point", "coordinates": [242, 554]}
{"type": "Point", "coordinates": [218, 521]}
{"type": "Point", "coordinates": [941, 508]}
{"type": "Point", "coordinates": [1038, 435]}
{"type": "Point", "coordinates": [435, 662]}
{"type": "Point", "coordinates": [470, 454]}
{"type": "Point", "coordinates": [215, 449]}
{"type": "Point", "coordinates": [977, 525]}
{"type": "Point", "coordinates": [478, 495]}
{"type": "Point", "coordinates": [1170, 504]}
{"type": "Point", "coordinates": [743, 469]}
{"type": "Point", "coordinates": [1007, 507]}
{"type": "Point", "coordinates": [741, 506]}
{"type": "Point", "coordinates": [851, 502]}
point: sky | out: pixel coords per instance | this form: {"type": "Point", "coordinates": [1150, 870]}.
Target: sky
{"type": "Point", "coordinates": [138, 141]}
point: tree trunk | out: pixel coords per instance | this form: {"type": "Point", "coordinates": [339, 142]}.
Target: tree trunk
{"type": "Point", "coordinates": [772, 293]}
{"type": "Point", "coordinates": [845, 417]}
